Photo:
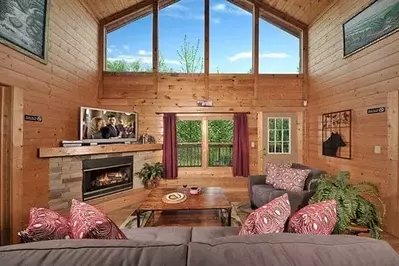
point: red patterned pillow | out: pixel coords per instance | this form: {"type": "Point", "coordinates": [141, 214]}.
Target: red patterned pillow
{"type": "Point", "coordinates": [270, 218]}
{"type": "Point", "coordinates": [45, 224]}
{"type": "Point", "coordinates": [315, 219]}
{"type": "Point", "coordinates": [289, 178]}
{"type": "Point", "coordinates": [88, 222]}
{"type": "Point", "coordinates": [273, 168]}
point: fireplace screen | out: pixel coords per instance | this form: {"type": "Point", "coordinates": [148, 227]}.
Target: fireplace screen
{"type": "Point", "coordinates": [106, 176]}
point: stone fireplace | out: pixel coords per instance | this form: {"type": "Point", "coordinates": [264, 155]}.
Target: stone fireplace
{"type": "Point", "coordinates": [106, 176]}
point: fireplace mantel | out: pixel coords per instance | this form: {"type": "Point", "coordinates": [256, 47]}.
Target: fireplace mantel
{"type": "Point", "coordinates": [91, 150]}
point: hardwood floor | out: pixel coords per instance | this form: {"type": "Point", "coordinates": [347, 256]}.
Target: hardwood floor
{"type": "Point", "coordinates": [121, 208]}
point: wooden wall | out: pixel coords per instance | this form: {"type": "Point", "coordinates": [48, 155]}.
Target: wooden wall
{"type": "Point", "coordinates": [179, 93]}
{"type": "Point", "coordinates": [54, 91]}
{"type": "Point", "coordinates": [358, 82]}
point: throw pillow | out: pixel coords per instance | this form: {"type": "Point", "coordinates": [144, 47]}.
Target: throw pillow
{"type": "Point", "coordinates": [290, 179]}
{"type": "Point", "coordinates": [270, 218]}
{"type": "Point", "coordinates": [273, 168]}
{"type": "Point", "coordinates": [315, 219]}
{"type": "Point", "coordinates": [45, 224]}
{"type": "Point", "coordinates": [88, 222]}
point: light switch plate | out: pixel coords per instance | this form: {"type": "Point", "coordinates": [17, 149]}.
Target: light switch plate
{"type": "Point", "coordinates": [252, 144]}
{"type": "Point", "coordinates": [377, 149]}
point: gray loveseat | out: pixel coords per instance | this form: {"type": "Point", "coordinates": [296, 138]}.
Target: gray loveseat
{"type": "Point", "coordinates": [261, 193]}
{"type": "Point", "coordinates": [203, 246]}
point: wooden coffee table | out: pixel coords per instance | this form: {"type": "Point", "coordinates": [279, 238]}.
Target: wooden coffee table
{"type": "Point", "coordinates": [210, 198]}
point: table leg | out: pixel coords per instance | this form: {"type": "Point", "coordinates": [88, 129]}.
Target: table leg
{"type": "Point", "coordinates": [138, 218]}
{"type": "Point", "coordinates": [229, 217]}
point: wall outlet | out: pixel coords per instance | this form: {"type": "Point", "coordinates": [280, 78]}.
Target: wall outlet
{"type": "Point", "coordinates": [252, 144]}
{"type": "Point", "coordinates": [377, 149]}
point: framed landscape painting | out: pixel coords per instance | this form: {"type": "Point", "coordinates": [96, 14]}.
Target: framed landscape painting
{"type": "Point", "coordinates": [24, 26]}
{"type": "Point", "coordinates": [377, 21]}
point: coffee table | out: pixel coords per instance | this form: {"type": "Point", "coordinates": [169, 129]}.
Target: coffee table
{"type": "Point", "coordinates": [210, 198]}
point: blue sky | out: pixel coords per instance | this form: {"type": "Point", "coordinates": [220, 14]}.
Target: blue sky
{"type": "Point", "coordinates": [230, 39]}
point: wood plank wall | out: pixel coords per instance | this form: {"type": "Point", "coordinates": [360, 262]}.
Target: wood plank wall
{"type": "Point", "coordinates": [358, 82]}
{"type": "Point", "coordinates": [179, 93]}
{"type": "Point", "coordinates": [54, 91]}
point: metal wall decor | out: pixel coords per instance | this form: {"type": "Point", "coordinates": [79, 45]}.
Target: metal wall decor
{"type": "Point", "coordinates": [337, 134]}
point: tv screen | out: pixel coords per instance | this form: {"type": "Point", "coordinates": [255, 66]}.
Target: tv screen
{"type": "Point", "coordinates": [103, 124]}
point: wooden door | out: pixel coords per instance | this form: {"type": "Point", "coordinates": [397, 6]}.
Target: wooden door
{"type": "Point", "coordinates": [280, 137]}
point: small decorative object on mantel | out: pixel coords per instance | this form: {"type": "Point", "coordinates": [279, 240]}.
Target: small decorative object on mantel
{"type": "Point", "coordinates": [150, 175]}
{"type": "Point", "coordinates": [377, 21]}
{"type": "Point", "coordinates": [337, 134]}
{"type": "Point", "coordinates": [147, 138]}
{"type": "Point", "coordinates": [24, 26]}
{"type": "Point", "coordinates": [205, 103]}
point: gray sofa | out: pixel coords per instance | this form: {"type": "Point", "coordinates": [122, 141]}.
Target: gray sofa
{"type": "Point", "coordinates": [203, 246]}
{"type": "Point", "coordinates": [261, 193]}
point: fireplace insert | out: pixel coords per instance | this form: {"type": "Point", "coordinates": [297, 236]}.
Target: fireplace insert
{"type": "Point", "coordinates": [106, 176]}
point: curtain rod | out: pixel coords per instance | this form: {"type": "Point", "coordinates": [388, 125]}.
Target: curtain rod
{"type": "Point", "coordinates": [196, 113]}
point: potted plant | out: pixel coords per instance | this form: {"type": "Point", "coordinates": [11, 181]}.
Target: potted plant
{"type": "Point", "coordinates": [150, 174]}
{"type": "Point", "coordinates": [355, 203]}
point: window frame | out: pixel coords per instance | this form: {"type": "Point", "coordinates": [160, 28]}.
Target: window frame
{"type": "Point", "coordinates": [282, 137]}
{"type": "Point", "coordinates": [204, 118]}
{"type": "Point", "coordinates": [259, 10]}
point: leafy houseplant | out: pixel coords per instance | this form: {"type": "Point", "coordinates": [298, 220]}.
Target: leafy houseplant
{"type": "Point", "coordinates": [150, 174]}
{"type": "Point", "coordinates": [353, 204]}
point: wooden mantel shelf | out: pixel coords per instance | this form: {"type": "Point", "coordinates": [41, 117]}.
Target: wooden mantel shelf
{"type": "Point", "coordinates": [100, 149]}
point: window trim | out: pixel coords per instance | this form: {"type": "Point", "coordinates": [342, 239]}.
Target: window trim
{"type": "Point", "coordinates": [204, 118]}
{"type": "Point", "coordinates": [259, 10]}
{"type": "Point", "coordinates": [282, 141]}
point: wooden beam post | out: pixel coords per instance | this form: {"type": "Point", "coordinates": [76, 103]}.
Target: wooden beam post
{"type": "Point", "coordinates": [207, 48]}
{"type": "Point", "coordinates": [102, 54]}
{"type": "Point", "coordinates": [255, 49]}
{"type": "Point", "coordinates": [155, 48]}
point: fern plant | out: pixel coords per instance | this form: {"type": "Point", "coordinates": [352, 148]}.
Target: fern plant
{"type": "Point", "coordinates": [353, 204]}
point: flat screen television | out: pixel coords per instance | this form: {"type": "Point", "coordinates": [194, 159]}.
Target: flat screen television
{"type": "Point", "coordinates": [103, 125]}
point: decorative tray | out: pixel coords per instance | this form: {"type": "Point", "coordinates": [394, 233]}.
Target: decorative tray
{"type": "Point", "coordinates": [174, 197]}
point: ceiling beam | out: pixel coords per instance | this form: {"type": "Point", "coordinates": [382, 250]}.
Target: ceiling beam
{"type": "Point", "coordinates": [126, 12]}
{"type": "Point", "coordinates": [279, 14]}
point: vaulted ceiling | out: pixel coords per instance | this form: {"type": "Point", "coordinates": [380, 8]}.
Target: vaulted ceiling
{"type": "Point", "coordinates": [303, 10]}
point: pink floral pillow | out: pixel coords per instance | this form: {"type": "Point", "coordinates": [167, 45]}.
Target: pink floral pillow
{"type": "Point", "coordinates": [290, 179]}
{"type": "Point", "coordinates": [88, 222]}
{"type": "Point", "coordinates": [45, 224]}
{"type": "Point", "coordinates": [270, 218]}
{"type": "Point", "coordinates": [273, 168]}
{"type": "Point", "coordinates": [315, 219]}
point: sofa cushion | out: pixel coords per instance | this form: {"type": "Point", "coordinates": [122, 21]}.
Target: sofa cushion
{"type": "Point", "coordinates": [45, 224]}
{"type": "Point", "coordinates": [315, 219]}
{"type": "Point", "coordinates": [273, 168]}
{"type": "Point", "coordinates": [102, 252]}
{"type": "Point", "coordinates": [173, 235]}
{"type": "Point", "coordinates": [270, 218]}
{"type": "Point", "coordinates": [292, 249]}
{"type": "Point", "coordinates": [208, 233]}
{"type": "Point", "coordinates": [88, 222]}
{"type": "Point", "coordinates": [289, 179]}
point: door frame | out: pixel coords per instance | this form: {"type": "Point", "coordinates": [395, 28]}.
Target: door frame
{"type": "Point", "coordinates": [12, 179]}
{"type": "Point", "coordinates": [300, 128]}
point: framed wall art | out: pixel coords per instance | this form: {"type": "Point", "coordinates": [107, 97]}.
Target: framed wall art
{"type": "Point", "coordinates": [377, 21]}
{"type": "Point", "coordinates": [337, 134]}
{"type": "Point", "coordinates": [24, 26]}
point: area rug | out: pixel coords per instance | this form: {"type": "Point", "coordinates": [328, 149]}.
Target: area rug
{"type": "Point", "coordinates": [239, 212]}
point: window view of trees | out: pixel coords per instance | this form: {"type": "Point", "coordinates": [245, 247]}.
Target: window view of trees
{"type": "Point", "coordinates": [279, 140]}
{"type": "Point", "coordinates": [190, 142]}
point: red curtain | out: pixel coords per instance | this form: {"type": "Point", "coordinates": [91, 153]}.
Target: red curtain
{"type": "Point", "coordinates": [240, 145]}
{"type": "Point", "coordinates": [169, 159]}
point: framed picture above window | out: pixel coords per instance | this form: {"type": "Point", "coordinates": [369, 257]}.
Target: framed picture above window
{"type": "Point", "coordinates": [24, 27]}
{"type": "Point", "coordinates": [374, 23]}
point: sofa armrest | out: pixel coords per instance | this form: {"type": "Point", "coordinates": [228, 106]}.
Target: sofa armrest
{"type": "Point", "coordinates": [254, 180]}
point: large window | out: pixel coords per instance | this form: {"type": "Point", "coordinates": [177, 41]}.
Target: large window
{"type": "Point", "coordinates": [205, 142]}
{"type": "Point", "coordinates": [181, 37]}
{"type": "Point", "coordinates": [230, 38]}
{"type": "Point", "coordinates": [129, 48]}
{"type": "Point", "coordinates": [279, 51]}
{"type": "Point", "coordinates": [279, 135]}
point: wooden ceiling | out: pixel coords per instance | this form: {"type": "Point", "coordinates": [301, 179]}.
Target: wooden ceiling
{"type": "Point", "coordinates": [303, 10]}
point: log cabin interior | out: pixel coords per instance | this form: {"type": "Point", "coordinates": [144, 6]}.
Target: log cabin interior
{"type": "Point", "coordinates": [224, 94]}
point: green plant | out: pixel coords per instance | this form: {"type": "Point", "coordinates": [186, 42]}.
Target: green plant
{"type": "Point", "coordinates": [354, 202]}
{"type": "Point", "coordinates": [150, 173]}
